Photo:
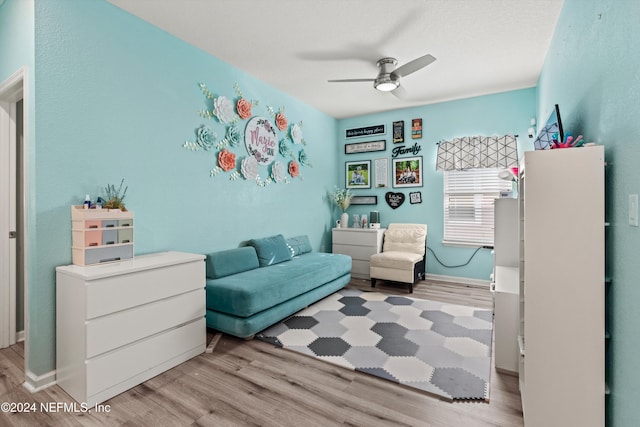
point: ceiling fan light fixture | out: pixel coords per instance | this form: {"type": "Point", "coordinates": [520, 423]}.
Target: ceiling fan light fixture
{"type": "Point", "coordinates": [386, 84]}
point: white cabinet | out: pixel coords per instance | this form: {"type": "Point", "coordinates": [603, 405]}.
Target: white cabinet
{"type": "Point", "coordinates": [505, 317]}
{"type": "Point", "coordinates": [359, 244]}
{"type": "Point", "coordinates": [506, 285]}
{"type": "Point", "coordinates": [562, 335]}
{"type": "Point", "coordinates": [505, 236]}
{"type": "Point", "coordinates": [119, 324]}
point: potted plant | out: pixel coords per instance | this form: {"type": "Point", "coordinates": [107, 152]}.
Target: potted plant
{"type": "Point", "coordinates": [342, 198]}
{"type": "Point", "coordinates": [115, 198]}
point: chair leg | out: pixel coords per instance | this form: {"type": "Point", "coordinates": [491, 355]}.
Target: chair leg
{"type": "Point", "coordinates": [373, 282]}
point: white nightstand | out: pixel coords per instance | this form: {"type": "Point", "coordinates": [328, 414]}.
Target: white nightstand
{"type": "Point", "coordinates": [359, 244]}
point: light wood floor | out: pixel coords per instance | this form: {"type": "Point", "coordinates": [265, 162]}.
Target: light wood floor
{"type": "Point", "coordinates": [251, 383]}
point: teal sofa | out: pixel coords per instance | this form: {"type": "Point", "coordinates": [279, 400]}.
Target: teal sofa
{"type": "Point", "coordinates": [255, 286]}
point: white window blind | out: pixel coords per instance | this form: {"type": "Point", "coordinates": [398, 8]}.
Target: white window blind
{"type": "Point", "coordinates": [468, 205]}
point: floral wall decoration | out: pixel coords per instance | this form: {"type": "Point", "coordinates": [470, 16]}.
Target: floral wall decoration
{"type": "Point", "coordinates": [263, 141]}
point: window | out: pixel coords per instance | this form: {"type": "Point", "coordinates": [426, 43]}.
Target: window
{"type": "Point", "coordinates": [468, 205]}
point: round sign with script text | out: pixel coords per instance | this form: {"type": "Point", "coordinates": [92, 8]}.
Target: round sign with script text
{"type": "Point", "coordinates": [260, 140]}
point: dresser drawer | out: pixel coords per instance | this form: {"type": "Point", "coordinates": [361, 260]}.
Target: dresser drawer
{"type": "Point", "coordinates": [109, 237]}
{"type": "Point", "coordinates": [139, 322]}
{"type": "Point", "coordinates": [356, 237]}
{"type": "Point", "coordinates": [125, 235]}
{"type": "Point", "coordinates": [97, 255]}
{"type": "Point", "coordinates": [93, 223]}
{"type": "Point", "coordinates": [355, 252]}
{"type": "Point", "coordinates": [113, 368]}
{"type": "Point", "coordinates": [109, 223]}
{"type": "Point", "coordinates": [141, 287]}
{"type": "Point", "coordinates": [86, 238]}
{"type": "Point", "coordinates": [125, 222]}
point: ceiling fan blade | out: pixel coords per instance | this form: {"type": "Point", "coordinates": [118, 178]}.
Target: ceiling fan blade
{"type": "Point", "coordinates": [415, 65]}
{"type": "Point", "coordinates": [400, 93]}
{"type": "Point", "coordinates": [350, 80]}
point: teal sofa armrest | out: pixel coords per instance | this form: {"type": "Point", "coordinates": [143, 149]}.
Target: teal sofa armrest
{"type": "Point", "coordinates": [232, 261]}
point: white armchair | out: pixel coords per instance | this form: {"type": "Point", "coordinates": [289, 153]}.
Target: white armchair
{"type": "Point", "coordinates": [403, 257]}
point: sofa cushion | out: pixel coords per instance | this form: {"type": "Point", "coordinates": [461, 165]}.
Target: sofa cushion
{"type": "Point", "coordinates": [271, 250]}
{"type": "Point", "coordinates": [232, 261]}
{"type": "Point", "coordinates": [251, 292]}
{"type": "Point", "coordinates": [299, 245]}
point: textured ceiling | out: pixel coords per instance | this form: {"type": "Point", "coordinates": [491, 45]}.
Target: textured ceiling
{"type": "Point", "coordinates": [481, 46]}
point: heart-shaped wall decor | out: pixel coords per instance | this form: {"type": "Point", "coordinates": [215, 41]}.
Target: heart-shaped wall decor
{"type": "Point", "coordinates": [394, 199]}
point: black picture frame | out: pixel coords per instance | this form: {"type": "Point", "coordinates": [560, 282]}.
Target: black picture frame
{"type": "Point", "coordinates": [365, 131]}
{"type": "Point", "coordinates": [364, 200]}
{"type": "Point", "coordinates": [415, 197]}
{"type": "Point", "coordinates": [365, 147]}
{"type": "Point", "coordinates": [358, 174]}
{"type": "Point", "coordinates": [407, 172]}
{"type": "Point", "coordinates": [398, 132]}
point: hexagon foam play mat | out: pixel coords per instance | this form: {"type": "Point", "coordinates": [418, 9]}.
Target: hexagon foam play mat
{"type": "Point", "coordinates": [439, 348]}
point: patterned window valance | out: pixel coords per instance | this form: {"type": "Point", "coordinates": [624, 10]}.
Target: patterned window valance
{"type": "Point", "coordinates": [475, 152]}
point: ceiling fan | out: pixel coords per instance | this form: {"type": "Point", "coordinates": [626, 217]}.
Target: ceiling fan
{"type": "Point", "coordinates": [388, 78]}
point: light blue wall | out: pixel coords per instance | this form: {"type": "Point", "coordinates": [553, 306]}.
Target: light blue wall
{"type": "Point", "coordinates": [498, 114]}
{"type": "Point", "coordinates": [591, 71]}
{"type": "Point", "coordinates": [16, 36]}
{"type": "Point", "coordinates": [116, 98]}
{"type": "Point", "coordinates": [17, 51]}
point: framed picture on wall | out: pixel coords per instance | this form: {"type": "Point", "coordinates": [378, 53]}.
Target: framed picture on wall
{"type": "Point", "coordinates": [364, 147]}
{"type": "Point", "coordinates": [381, 169]}
{"type": "Point", "coordinates": [408, 172]}
{"type": "Point", "coordinates": [364, 200]}
{"type": "Point", "coordinates": [398, 132]}
{"type": "Point", "coordinates": [358, 174]}
{"type": "Point", "coordinates": [416, 128]}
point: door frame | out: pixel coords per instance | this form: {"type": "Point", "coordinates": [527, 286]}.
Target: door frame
{"type": "Point", "coordinates": [12, 90]}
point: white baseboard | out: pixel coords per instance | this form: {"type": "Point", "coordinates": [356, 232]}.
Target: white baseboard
{"type": "Point", "coordinates": [461, 280]}
{"type": "Point", "coordinates": [19, 336]}
{"type": "Point", "coordinates": [34, 383]}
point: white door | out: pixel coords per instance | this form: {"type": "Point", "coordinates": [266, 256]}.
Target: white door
{"type": "Point", "coordinates": [11, 92]}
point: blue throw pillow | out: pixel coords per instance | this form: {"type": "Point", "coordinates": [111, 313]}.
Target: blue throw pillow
{"type": "Point", "coordinates": [299, 245]}
{"type": "Point", "coordinates": [271, 250]}
{"type": "Point", "coordinates": [232, 261]}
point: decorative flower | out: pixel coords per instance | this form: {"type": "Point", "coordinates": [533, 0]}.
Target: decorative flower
{"type": "Point", "coordinates": [204, 137]}
{"type": "Point", "coordinates": [294, 168]}
{"type": "Point", "coordinates": [303, 158]}
{"type": "Point", "coordinates": [223, 109]}
{"type": "Point", "coordinates": [267, 126]}
{"type": "Point", "coordinates": [277, 172]}
{"type": "Point", "coordinates": [233, 136]}
{"type": "Point", "coordinates": [342, 198]}
{"type": "Point", "coordinates": [281, 121]}
{"type": "Point", "coordinates": [226, 160]}
{"type": "Point", "coordinates": [296, 134]}
{"type": "Point", "coordinates": [249, 168]}
{"type": "Point", "coordinates": [284, 148]}
{"type": "Point", "coordinates": [244, 108]}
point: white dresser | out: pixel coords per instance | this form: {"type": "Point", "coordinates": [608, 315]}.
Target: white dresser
{"type": "Point", "coordinates": [119, 324]}
{"type": "Point", "coordinates": [359, 244]}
